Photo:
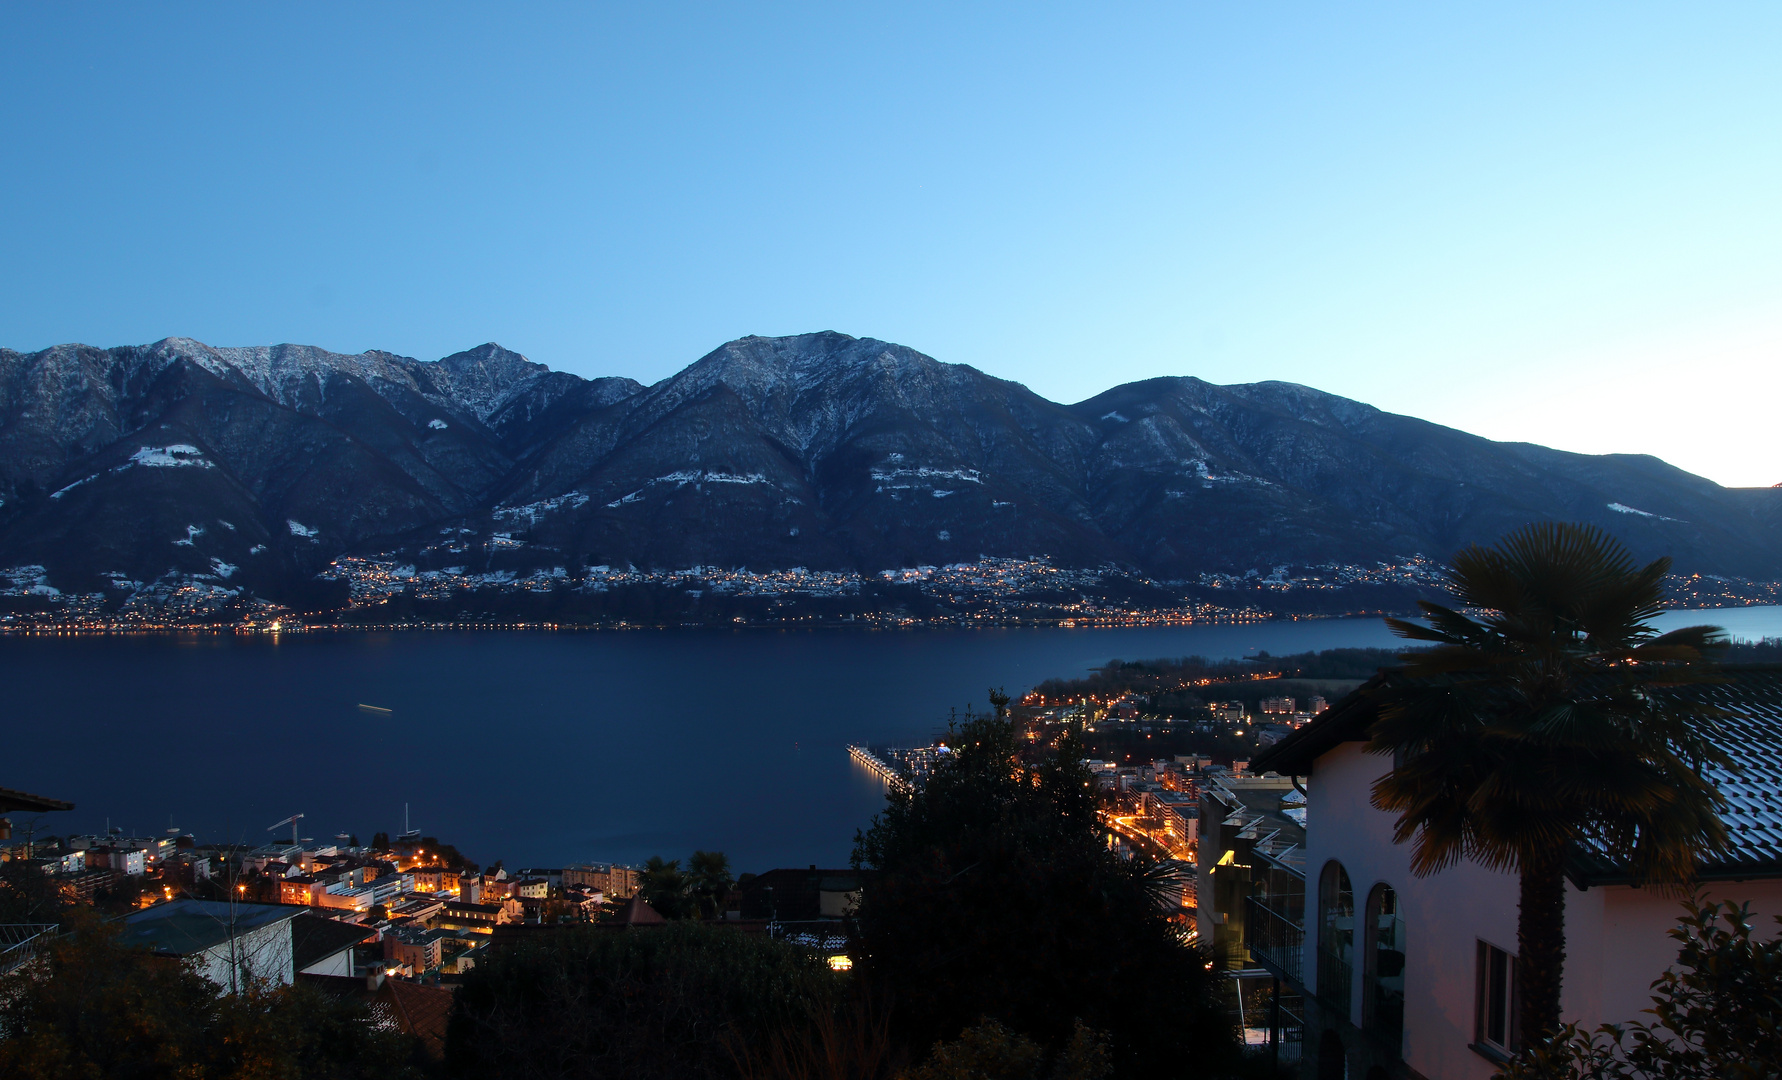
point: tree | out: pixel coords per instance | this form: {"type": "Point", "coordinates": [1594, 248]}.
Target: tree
{"type": "Point", "coordinates": [1543, 725]}
{"type": "Point", "coordinates": [664, 887]}
{"type": "Point", "coordinates": [679, 1001]}
{"type": "Point", "coordinates": [709, 881]}
{"type": "Point", "coordinates": [997, 898]}
{"type": "Point", "coordinates": [28, 895]}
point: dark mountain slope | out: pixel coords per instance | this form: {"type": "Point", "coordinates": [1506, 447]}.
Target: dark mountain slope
{"type": "Point", "coordinates": [890, 456]}
{"type": "Point", "coordinates": [818, 450]}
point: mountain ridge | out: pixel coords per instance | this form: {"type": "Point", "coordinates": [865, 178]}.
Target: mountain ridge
{"type": "Point", "coordinates": [820, 450]}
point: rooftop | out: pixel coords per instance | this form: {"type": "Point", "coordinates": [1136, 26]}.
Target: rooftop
{"type": "Point", "coordinates": [185, 927]}
{"type": "Point", "coordinates": [315, 938]}
{"type": "Point", "coordinates": [1751, 697]}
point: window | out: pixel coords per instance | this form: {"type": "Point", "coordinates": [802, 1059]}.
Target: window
{"type": "Point", "coordinates": [1383, 967]}
{"type": "Point", "coordinates": [1496, 996]}
{"type": "Point", "coordinates": [1336, 937]}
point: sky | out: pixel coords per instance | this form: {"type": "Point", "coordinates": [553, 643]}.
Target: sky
{"type": "Point", "coordinates": [1552, 223]}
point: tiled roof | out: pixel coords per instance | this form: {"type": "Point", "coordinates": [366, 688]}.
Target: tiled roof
{"type": "Point", "coordinates": [397, 1005]}
{"type": "Point", "coordinates": [1751, 697]}
{"type": "Point", "coordinates": [423, 1012]}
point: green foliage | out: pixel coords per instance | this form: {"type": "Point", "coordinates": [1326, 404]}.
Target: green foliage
{"type": "Point", "coordinates": [1540, 725]}
{"type": "Point", "coordinates": [95, 1008]}
{"type": "Point", "coordinates": [682, 1000]}
{"type": "Point", "coordinates": [1717, 1013]}
{"type": "Point", "coordinates": [989, 1051]}
{"type": "Point", "coordinates": [997, 897]}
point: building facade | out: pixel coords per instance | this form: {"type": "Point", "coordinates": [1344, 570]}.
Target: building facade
{"type": "Point", "coordinates": [1414, 977]}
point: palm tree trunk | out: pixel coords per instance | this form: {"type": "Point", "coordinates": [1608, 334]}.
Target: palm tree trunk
{"type": "Point", "coordinates": [1540, 940]}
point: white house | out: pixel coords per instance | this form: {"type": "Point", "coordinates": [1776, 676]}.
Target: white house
{"type": "Point", "coordinates": [1422, 983]}
{"type": "Point", "coordinates": [232, 943]}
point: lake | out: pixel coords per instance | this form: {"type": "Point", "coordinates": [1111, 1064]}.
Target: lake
{"type": "Point", "coordinates": [544, 748]}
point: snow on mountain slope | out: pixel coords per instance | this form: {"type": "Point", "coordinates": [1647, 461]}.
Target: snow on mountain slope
{"type": "Point", "coordinates": [819, 450]}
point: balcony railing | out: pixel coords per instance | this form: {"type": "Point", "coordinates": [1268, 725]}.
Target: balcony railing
{"type": "Point", "coordinates": [1277, 942]}
{"type": "Point", "coordinates": [19, 943]}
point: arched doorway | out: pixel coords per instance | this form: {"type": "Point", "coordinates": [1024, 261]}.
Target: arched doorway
{"type": "Point", "coordinates": [1336, 937]}
{"type": "Point", "coordinates": [1331, 1059]}
{"type": "Point", "coordinates": [1383, 967]}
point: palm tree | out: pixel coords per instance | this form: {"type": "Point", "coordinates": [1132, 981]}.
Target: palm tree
{"type": "Point", "coordinates": [664, 887]}
{"type": "Point", "coordinates": [1542, 726]}
{"type": "Point", "coordinates": [709, 880]}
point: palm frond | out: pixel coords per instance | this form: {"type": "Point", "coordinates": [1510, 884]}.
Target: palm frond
{"type": "Point", "coordinates": [1547, 720]}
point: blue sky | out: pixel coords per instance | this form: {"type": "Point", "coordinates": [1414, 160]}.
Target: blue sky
{"type": "Point", "coordinates": [1532, 223]}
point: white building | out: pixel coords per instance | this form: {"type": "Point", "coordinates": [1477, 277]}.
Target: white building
{"type": "Point", "coordinates": [234, 944]}
{"type": "Point", "coordinates": [1421, 983]}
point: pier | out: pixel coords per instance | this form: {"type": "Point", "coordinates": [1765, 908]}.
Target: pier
{"type": "Point", "coordinates": [876, 765]}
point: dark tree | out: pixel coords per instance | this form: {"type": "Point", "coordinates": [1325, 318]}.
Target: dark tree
{"type": "Point", "coordinates": [997, 898]}
{"type": "Point", "coordinates": [664, 887]}
{"type": "Point", "coordinates": [709, 881]}
{"type": "Point", "coordinates": [683, 1000]}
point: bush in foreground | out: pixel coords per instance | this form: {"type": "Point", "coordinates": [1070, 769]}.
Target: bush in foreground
{"type": "Point", "coordinates": [685, 1000]}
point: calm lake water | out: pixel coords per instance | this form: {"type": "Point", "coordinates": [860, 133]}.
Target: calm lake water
{"type": "Point", "coordinates": [540, 748]}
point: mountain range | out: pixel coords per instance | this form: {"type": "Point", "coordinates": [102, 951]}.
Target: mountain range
{"type": "Point", "coordinates": [261, 465]}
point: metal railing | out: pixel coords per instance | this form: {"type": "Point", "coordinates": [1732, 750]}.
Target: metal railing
{"type": "Point", "coordinates": [1277, 942]}
{"type": "Point", "coordinates": [20, 942]}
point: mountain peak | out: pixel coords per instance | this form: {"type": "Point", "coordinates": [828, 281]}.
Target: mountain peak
{"type": "Point", "coordinates": [818, 450]}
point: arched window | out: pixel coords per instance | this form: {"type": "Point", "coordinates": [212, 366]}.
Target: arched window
{"type": "Point", "coordinates": [1336, 937]}
{"type": "Point", "coordinates": [1383, 966]}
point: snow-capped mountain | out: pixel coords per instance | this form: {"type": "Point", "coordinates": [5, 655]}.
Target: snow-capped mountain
{"type": "Point", "coordinates": [818, 450]}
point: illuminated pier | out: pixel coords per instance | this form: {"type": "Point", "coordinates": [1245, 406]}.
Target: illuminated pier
{"type": "Point", "coordinates": [875, 765]}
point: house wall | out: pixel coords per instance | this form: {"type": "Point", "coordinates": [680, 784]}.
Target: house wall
{"type": "Point", "coordinates": [339, 963]}
{"type": "Point", "coordinates": [1444, 914]}
{"type": "Point", "coordinates": [1618, 942]}
{"type": "Point", "coordinates": [264, 953]}
{"type": "Point", "coordinates": [1616, 936]}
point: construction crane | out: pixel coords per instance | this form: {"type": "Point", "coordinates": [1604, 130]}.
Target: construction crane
{"type": "Point", "coordinates": [292, 822]}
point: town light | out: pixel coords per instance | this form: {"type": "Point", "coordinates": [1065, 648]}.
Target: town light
{"type": "Point", "coordinates": [841, 963]}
